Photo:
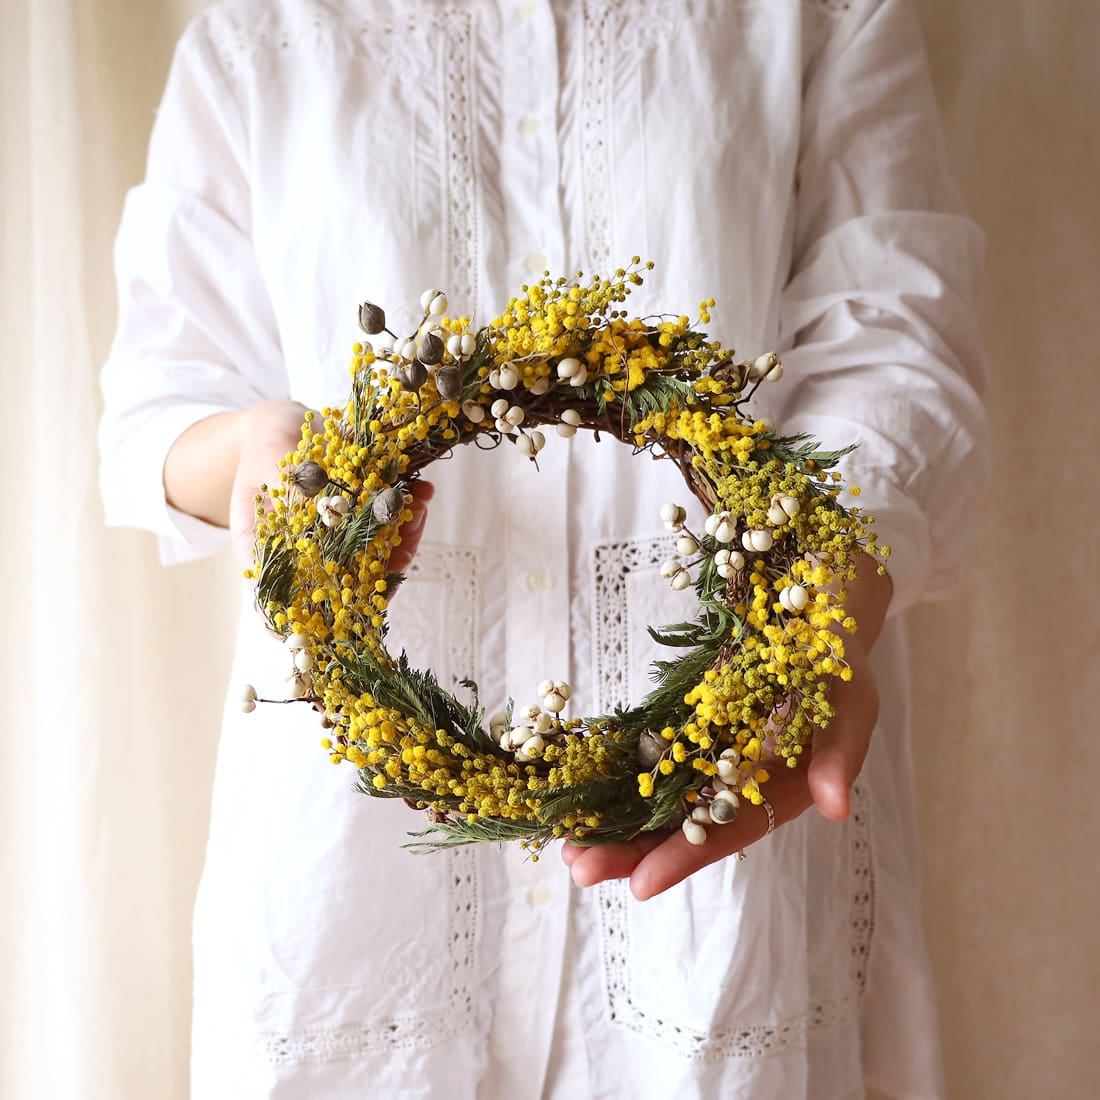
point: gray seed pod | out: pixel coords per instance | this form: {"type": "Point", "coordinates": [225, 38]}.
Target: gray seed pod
{"type": "Point", "coordinates": [722, 811]}
{"type": "Point", "coordinates": [388, 505]}
{"type": "Point", "coordinates": [448, 380]}
{"type": "Point", "coordinates": [430, 349]}
{"type": "Point", "coordinates": [413, 376]}
{"type": "Point", "coordinates": [651, 748]}
{"type": "Point", "coordinates": [372, 318]}
{"type": "Point", "coordinates": [309, 478]}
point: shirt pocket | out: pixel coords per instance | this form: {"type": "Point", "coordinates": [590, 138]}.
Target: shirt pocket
{"type": "Point", "coordinates": [371, 949]}
{"type": "Point", "coordinates": [740, 960]}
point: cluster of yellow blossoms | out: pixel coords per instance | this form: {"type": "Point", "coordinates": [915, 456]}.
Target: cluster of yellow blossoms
{"type": "Point", "coordinates": [770, 566]}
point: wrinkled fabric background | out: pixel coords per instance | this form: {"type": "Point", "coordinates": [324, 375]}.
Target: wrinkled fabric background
{"type": "Point", "coordinates": [114, 669]}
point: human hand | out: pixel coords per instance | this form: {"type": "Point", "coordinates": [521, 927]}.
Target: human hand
{"type": "Point", "coordinates": [656, 861]}
{"type": "Point", "coordinates": [268, 432]}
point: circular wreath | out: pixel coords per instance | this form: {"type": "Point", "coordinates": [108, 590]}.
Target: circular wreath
{"type": "Point", "coordinates": [748, 681]}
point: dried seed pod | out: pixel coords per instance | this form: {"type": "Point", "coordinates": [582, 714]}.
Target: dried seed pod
{"type": "Point", "coordinates": [723, 810]}
{"type": "Point", "coordinates": [651, 747]}
{"type": "Point", "coordinates": [766, 366]}
{"type": "Point", "coordinates": [448, 380]}
{"type": "Point", "coordinates": [388, 505]}
{"type": "Point", "coordinates": [430, 349]}
{"type": "Point", "coordinates": [694, 832]}
{"type": "Point", "coordinates": [530, 749]}
{"type": "Point", "coordinates": [309, 478]}
{"type": "Point", "coordinates": [413, 376]}
{"type": "Point", "coordinates": [758, 541]}
{"type": "Point", "coordinates": [672, 514]}
{"type": "Point", "coordinates": [727, 770]}
{"type": "Point", "coordinates": [686, 545]}
{"type": "Point", "coordinates": [372, 318]}
{"type": "Point", "coordinates": [332, 509]}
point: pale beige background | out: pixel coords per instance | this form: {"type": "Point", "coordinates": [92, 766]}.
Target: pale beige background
{"type": "Point", "coordinates": [113, 668]}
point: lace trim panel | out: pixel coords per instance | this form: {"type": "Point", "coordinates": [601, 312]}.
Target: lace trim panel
{"type": "Point", "coordinates": [462, 230]}
{"type": "Point", "coordinates": [454, 570]}
{"type": "Point", "coordinates": [613, 564]}
{"type": "Point", "coordinates": [612, 657]}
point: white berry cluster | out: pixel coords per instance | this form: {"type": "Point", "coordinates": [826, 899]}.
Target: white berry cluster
{"type": "Point", "coordinates": [532, 727]}
{"type": "Point", "coordinates": [721, 531]}
{"type": "Point", "coordinates": [718, 802]}
{"type": "Point", "coordinates": [423, 353]}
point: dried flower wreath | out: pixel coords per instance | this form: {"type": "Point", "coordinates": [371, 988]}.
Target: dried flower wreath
{"type": "Point", "coordinates": [769, 567]}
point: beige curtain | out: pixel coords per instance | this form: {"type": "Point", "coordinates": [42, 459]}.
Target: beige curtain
{"type": "Point", "coordinates": [113, 668]}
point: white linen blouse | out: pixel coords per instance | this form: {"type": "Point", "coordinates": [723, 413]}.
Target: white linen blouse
{"type": "Point", "coordinates": [782, 156]}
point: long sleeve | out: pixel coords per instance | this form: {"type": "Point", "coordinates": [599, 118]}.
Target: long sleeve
{"type": "Point", "coordinates": [196, 332]}
{"type": "Point", "coordinates": [878, 315]}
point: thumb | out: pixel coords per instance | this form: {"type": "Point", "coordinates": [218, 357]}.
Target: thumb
{"type": "Point", "coordinates": [840, 748]}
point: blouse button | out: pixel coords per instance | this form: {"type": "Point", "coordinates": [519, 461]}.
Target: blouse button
{"type": "Point", "coordinates": [527, 10]}
{"type": "Point", "coordinates": [540, 895]}
{"type": "Point", "coordinates": [529, 126]}
{"type": "Point", "coordinates": [538, 580]}
{"type": "Point", "coordinates": [536, 263]}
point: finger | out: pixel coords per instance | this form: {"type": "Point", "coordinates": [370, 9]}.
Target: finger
{"type": "Point", "coordinates": [412, 530]}
{"type": "Point", "coordinates": [841, 747]}
{"type": "Point", "coordinates": [608, 861]}
{"type": "Point", "coordinates": [677, 858]}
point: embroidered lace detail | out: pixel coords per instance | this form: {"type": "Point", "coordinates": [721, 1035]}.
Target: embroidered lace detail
{"type": "Point", "coordinates": [463, 231]}
{"type": "Point", "coordinates": [393, 40]}
{"type": "Point", "coordinates": [446, 1020]}
{"type": "Point", "coordinates": [616, 32]}
{"type": "Point", "coordinates": [863, 881]}
{"type": "Point", "coordinates": [595, 133]}
{"type": "Point", "coordinates": [453, 615]}
{"type": "Point", "coordinates": [612, 655]}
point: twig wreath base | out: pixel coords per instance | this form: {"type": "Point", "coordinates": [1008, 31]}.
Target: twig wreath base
{"type": "Point", "coordinates": [748, 679]}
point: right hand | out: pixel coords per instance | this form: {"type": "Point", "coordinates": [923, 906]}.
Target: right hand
{"type": "Point", "coordinates": [268, 433]}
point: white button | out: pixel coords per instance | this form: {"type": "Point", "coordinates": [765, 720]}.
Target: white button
{"type": "Point", "coordinates": [536, 263]}
{"type": "Point", "coordinates": [540, 894]}
{"type": "Point", "coordinates": [538, 580]}
{"type": "Point", "coordinates": [529, 126]}
{"type": "Point", "coordinates": [527, 11]}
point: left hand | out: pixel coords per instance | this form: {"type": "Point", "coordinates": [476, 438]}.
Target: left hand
{"type": "Point", "coordinates": [655, 861]}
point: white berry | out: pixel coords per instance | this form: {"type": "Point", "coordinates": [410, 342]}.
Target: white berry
{"type": "Point", "coordinates": [757, 541]}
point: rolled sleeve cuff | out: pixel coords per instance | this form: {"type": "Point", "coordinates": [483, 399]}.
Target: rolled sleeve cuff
{"type": "Point", "coordinates": [132, 483]}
